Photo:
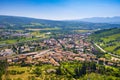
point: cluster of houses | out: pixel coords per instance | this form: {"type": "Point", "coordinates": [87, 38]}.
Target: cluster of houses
{"type": "Point", "coordinates": [52, 56]}
{"type": "Point", "coordinates": [13, 34]}
{"type": "Point", "coordinates": [6, 52]}
{"type": "Point", "coordinates": [53, 51]}
{"type": "Point", "coordinates": [55, 56]}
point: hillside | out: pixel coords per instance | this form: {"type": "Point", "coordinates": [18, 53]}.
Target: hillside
{"type": "Point", "coordinates": [108, 39]}
{"type": "Point", "coordinates": [113, 20]}
{"type": "Point", "coordinates": [13, 22]}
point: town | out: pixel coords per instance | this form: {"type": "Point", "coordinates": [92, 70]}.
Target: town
{"type": "Point", "coordinates": [71, 47]}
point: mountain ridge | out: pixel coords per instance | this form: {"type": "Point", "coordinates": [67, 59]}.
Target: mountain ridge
{"type": "Point", "coordinates": [14, 22]}
{"type": "Point", "coordinates": [113, 20]}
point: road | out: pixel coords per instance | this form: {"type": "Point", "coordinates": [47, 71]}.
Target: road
{"type": "Point", "coordinates": [100, 48]}
{"type": "Point", "coordinates": [43, 52]}
{"type": "Point", "coordinates": [106, 51]}
{"type": "Point", "coordinates": [35, 53]}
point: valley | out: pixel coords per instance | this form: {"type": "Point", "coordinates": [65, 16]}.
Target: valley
{"type": "Point", "coordinates": [39, 49]}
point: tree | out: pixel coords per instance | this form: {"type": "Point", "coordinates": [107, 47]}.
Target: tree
{"type": "Point", "coordinates": [79, 71]}
{"type": "Point", "coordinates": [92, 66]}
{"type": "Point", "coordinates": [37, 71]}
{"type": "Point", "coordinates": [3, 66]}
{"type": "Point", "coordinates": [101, 69]}
{"type": "Point", "coordinates": [60, 70]}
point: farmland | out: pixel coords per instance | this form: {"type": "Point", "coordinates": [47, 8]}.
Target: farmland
{"type": "Point", "coordinates": [108, 39]}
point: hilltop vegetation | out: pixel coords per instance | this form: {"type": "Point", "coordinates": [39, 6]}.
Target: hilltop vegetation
{"type": "Point", "coordinates": [108, 39]}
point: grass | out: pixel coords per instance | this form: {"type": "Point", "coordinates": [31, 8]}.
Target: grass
{"type": "Point", "coordinates": [28, 72]}
{"type": "Point", "coordinates": [13, 41]}
{"type": "Point", "coordinates": [110, 48]}
{"type": "Point", "coordinates": [23, 76]}
{"type": "Point", "coordinates": [67, 74]}
{"type": "Point", "coordinates": [41, 29]}
{"type": "Point", "coordinates": [37, 35]}
{"type": "Point", "coordinates": [111, 39]}
{"type": "Point", "coordinates": [8, 41]}
{"type": "Point", "coordinates": [82, 31]}
{"type": "Point", "coordinates": [18, 68]}
{"type": "Point", "coordinates": [94, 76]}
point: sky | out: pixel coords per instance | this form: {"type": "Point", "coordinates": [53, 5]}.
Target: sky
{"type": "Point", "coordinates": [60, 9]}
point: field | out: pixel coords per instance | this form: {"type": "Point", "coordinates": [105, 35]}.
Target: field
{"type": "Point", "coordinates": [108, 39]}
{"type": "Point", "coordinates": [34, 34]}
{"type": "Point", "coordinates": [82, 31]}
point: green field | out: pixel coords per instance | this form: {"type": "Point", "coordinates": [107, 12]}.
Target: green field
{"type": "Point", "coordinates": [108, 39]}
{"type": "Point", "coordinates": [35, 35]}
{"type": "Point", "coordinates": [83, 30]}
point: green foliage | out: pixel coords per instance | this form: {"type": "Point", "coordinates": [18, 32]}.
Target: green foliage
{"type": "Point", "coordinates": [37, 71]}
{"type": "Point", "coordinates": [108, 39]}
{"type": "Point", "coordinates": [12, 22]}
{"type": "Point", "coordinates": [96, 76]}
{"type": "Point", "coordinates": [67, 71]}
{"type": "Point", "coordinates": [14, 72]}
{"type": "Point", "coordinates": [3, 65]}
{"type": "Point", "coordinates": [31, 78]}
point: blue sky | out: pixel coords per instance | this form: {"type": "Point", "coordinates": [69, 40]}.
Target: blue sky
{"type": "Point", "coordinates": [60, 9]}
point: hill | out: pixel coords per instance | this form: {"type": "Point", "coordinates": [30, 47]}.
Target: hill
{"type": "Point", "coordinates": [113, 20]}
{"type": "Point", "coordinates": [108, 39]}
{"type": "Point", "coordinates": [14, 22]}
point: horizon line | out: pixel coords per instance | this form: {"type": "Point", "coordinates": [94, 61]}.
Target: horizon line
{"type": "Point", "coordinates": [60, 19]}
